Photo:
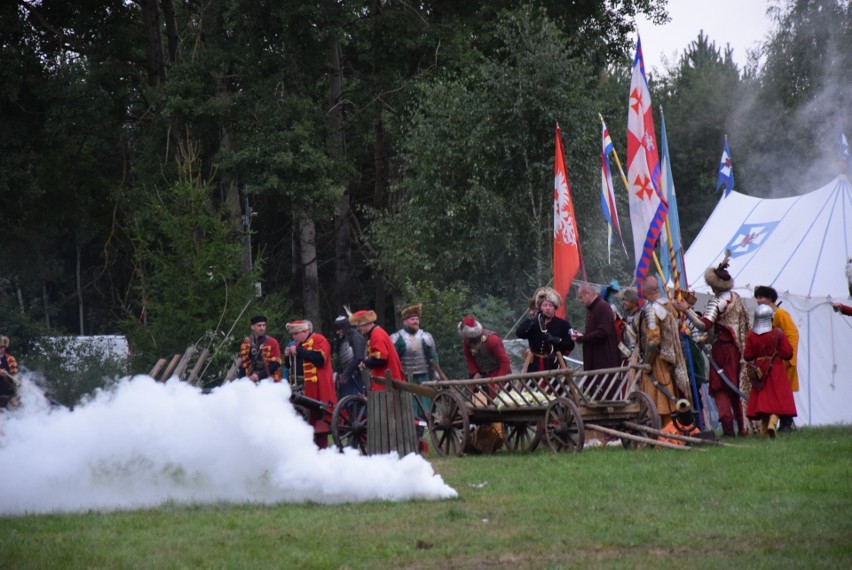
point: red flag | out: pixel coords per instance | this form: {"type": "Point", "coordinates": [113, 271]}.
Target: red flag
{"type": "Point", "coordinates": [648, 208]}
{"type": "Point", "coordinates": [566, 242]}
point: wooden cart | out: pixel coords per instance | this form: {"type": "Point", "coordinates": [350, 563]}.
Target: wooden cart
{"type": "Point", "coordinates": [555, 407]}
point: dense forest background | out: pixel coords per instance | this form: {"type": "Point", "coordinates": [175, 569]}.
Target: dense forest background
{"type": "Point", "coordinates": [170, 167]}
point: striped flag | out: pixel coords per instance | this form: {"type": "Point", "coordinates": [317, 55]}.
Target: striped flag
{"type": "Point", "coordinates": [647, 206]}
{"type": "Point", "coordinates": [566, 241]}
{"type": "Point", "coordinates": [608, 207]}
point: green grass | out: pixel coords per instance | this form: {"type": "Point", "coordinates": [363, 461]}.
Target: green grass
{"type": "Point", "coordinates": [765, 504]}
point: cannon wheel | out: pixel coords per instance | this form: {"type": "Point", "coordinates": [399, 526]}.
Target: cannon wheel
{"type": "Point", "coordinates": [349, 423]}
{"type": "Point", "coordinates": [521, 436]}
{"type": "Point", "coordinates": [563, 426]}
{"type": "Point", "coordinates": [449, 423]}
{"type": "Point", "coordinates": [647, 416]}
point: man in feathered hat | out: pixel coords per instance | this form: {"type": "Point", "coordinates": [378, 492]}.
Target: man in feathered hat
{"type": "Point", "coordinates": [381, 356]}
{"type": "Point", "coordinates": [725, 323]}
{"type": "Point", "coordinates": [310, 357]}
{"type": "Point", "coordinates": [781, 319]}
{"type": "Point", "coordinates": [418, 355]}
{"type": "Point", "coordinates": [260, 355]}
{"type": "Point", "coordinates": [546, 333]}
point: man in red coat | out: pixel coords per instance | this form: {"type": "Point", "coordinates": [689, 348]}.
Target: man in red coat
{"type": "Point", "coordinates": [381, 355]}
{"type": "Point", "coordinates": [260, 355]}
{"type": "Point", "coordinates": [768, 348]}
{"type": "Point", "coordinates": [312, 354]}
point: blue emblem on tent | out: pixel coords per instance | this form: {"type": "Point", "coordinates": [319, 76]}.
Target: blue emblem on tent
{"type": "Point", "coordinates": [750, 237]}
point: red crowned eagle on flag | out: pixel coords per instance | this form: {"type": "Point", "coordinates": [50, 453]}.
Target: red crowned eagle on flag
{"type": "Point", "coordinates": [566, 246]}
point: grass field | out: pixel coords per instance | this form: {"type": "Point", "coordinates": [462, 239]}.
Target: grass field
{"type": "Point", "coordinates": [764, 504]}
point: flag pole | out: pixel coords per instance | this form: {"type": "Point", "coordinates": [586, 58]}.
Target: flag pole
{"type": "Point", "coordinates": [627, 187]}
{"type": "Point", "coordinates": [609, 233]}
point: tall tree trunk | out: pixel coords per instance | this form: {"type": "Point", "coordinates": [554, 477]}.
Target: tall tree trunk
{"type": "Point", "coordinates": [379, 163]}
{"type": "Point", "coordinates": [168, 7]}
{"type": "Point", "coordinates": [80, 290]}
{"type": "Point", "coordinates": [45, 304]}
{"type": "Point", "coordinates": [336, 144]}
{"type": "Point", "coordinates": [154, 43]}
{"type": "Point", "coordinates": [310, 282]}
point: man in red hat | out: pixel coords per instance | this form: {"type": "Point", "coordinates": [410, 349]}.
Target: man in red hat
{"type": "Point", "coordinates": [381, 355]}
{"type": "Point", "coordinates": [260, 355]}
{"type": "Point", "coordinates": [311, 356]}
{"type": "Point", "coordinates": [483, 350]}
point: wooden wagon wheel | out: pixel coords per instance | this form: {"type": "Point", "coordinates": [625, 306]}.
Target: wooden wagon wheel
{"type": "Point", "coordinates": [647, 416]}
{"type": "Point", "coordinates": [563, 426]}
{"type": "Point", "coordinates": [349, 423]}
{"type": "Point", "coordinates": [449, 423]}
{"type": "Point", "coordinates": [521, 436]}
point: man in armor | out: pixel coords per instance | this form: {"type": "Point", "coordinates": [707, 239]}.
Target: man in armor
{"type": "Point", "coordinates": [781, 319]}
{"type": "Point", "coordinates": [349, 348]}
{"type": "Point", "coordinates": [483, 350]}
{"type": "Point", "coordinates": [417, 353]}
{"type": "Point", "coordinates": [260, 355]}
{"type": "Point", "coordinates": [725, 322]}
{"type": "Point", "coordinates": [547, 334]}
{"type": "Point", "coordinates": [659, 346]}
{"type": "Point", "coordinates": [767, 348]}
{"type": "Point", "coordinates": [630, 304]}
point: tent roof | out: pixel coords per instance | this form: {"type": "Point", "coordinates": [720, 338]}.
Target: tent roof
{"type": "Point", "coordinates": [798, 245]}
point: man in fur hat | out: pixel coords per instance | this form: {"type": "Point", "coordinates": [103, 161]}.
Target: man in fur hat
{"type": "Point", "coordinates": [781, 319]}
{"type": "Point", "coordinates": [725, 322]}
{"type": "Point", "coordinates": [260, 355]}
{"type": "Point", "coordinates": [380, 354]}
{"type": "Point", "coordinates": [547, 334]}
{"type": "Point", "coordinates": [310, 355]}
{"type": "Point", "coordinates": [483, 350]}
{"type": "Point", "coordinates": [418, 354]}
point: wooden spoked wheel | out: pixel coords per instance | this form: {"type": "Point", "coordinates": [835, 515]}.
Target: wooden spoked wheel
{"type": "Point", "coordinates": [349, 423]}
{"type": "Point", "coordinates": [449, 424]}
{"type": "Point", "coordinates": [646, 416]}
{"type": "Point", "coordinates": [563, 426]}
{"type": "Point", "coordinates": [521, 436]}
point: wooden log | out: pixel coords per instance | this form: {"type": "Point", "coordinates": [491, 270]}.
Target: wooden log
{"type": "Point", "coordinates": [193, 374]}
{"type": "Point", "coordinates": [677, 436]}
{"type": "Point", "coordinates": [637, 438]}
{"type": "Point", "coordinates": [167, 373]}
{"type": "Point", "coordinates": [157, 367]}
{"type": "Point", "coordinates": [184, 361]}
{"type": "Point", "coordinates": [533, 375]}
{"type": "Point", "coordinates": [417, 389]}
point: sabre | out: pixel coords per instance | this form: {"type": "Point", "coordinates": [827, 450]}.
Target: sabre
{"type": "Point", "coordinates": [661, 388]}
{"type": "Point", "coordinates": [706, 350]}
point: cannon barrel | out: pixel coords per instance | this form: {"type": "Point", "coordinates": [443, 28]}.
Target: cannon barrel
{"type": "Point", "coordinates": [299, 399]}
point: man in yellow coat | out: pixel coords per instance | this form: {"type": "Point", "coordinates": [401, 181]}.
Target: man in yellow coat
{"type": "Point", "coordinates": [781, 319]}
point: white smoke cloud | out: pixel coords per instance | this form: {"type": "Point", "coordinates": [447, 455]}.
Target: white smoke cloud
{"type": "Point", "coordinates": [145, 443]}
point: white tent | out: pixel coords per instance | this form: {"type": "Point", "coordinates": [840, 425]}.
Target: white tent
{"type": "Point", "coordinates": [799, 246]}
